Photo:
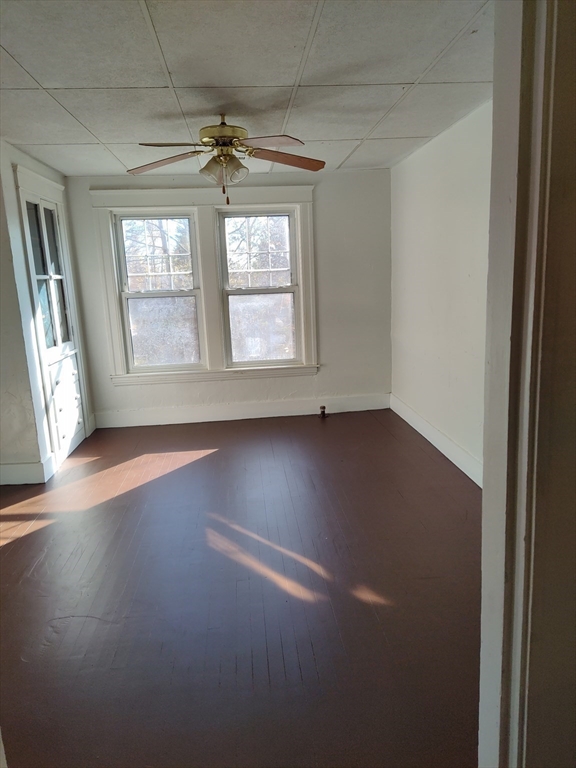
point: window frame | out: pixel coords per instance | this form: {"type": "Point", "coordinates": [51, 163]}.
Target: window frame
{"type": "Point", "coordinates": [204, 205]}
{"type": "Point", "coordinates": [125, 294]}
{"type": "Point", "coordinates": [293, 287]}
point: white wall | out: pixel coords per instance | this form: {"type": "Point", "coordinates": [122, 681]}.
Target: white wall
{"type": "Point", "coordinates": [352, 255]}
{"type": "Point", "coordinates": [440, 213]}
{"type": "Point", "coordinates": [18, 437]}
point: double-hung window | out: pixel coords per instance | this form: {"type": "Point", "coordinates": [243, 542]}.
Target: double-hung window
{"type": "Point", "coordinates": [260, 288]}
{"type": "Point", "coordinates": [205, 291]}
{"type": "Point", "coordinates": [160, 293]}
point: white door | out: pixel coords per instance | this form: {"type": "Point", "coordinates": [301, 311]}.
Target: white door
{"type": "Point", "coordinates": [55, 333]}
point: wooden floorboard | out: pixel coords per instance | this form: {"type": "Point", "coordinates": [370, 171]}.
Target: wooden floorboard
{"type": "Point", "coordinates": [265, 593]}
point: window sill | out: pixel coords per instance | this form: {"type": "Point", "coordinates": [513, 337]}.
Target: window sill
{"type": "Point", "coordinates": [186, 377]}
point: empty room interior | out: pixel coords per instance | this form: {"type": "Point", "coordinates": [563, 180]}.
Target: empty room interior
{"type": "Point", "coordinates": [244, 289]}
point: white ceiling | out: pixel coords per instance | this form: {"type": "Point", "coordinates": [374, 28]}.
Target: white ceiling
{"type": "Point", "coordinates": [363, 82]}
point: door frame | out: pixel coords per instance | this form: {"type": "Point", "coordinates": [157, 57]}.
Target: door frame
{"type": "Point", "coordinates": [530, 263]}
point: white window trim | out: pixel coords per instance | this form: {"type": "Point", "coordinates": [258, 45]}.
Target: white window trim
{"type": "Point", "coordinates": [203, 205]}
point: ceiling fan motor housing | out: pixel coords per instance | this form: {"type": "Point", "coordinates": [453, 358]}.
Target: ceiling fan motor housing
{"type": "Point", "coordinates": [222, 135]}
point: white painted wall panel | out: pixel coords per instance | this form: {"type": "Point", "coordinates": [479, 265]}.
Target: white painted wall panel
{"type": "Point", "coordinates": [352, 253]}
{"type": "Point", "coordinates": [18, 437]}
{"type": "Point", "coordinates": [440, 212]}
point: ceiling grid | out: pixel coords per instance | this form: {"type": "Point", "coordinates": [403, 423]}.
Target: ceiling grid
{"type": "Point", "coordinates": [362, 82]}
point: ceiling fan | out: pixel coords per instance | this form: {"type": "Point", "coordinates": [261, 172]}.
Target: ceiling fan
{"type": "Point", "coordinates": [226, 141]}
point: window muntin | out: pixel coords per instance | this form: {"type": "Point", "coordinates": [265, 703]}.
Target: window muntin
{"type": "Point", "coordinates": [160, 297]}
{"type": "Point", "coordinates": [260, 288]}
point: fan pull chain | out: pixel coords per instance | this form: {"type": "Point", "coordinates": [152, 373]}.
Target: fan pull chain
{"type": "Point", "coordinates": [224, 185]}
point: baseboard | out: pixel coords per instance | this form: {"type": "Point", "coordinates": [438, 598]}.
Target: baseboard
{"type": "Point", "coordinates": [457, 455]}
{"type": "Point", "coordinates": [234, 411]}
{"type": "Point", "coordinates": [28, 473]}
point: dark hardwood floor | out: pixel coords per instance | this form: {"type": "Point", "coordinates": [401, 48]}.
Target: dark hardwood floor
{"type": "Point", "coordinates": [265, 593]}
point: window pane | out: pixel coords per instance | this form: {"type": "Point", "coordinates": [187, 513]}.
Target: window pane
{"type": "Point", "coordinates": [279, 233]}
{"type": "Point", "coordinates": [134, 233]}
{"type": "Point", "coordinates": [280, 260]}
{"type": "Point", "coordinates": [164, 330]}
{"type": "Point", "coordinates": [260, 279]}
{"type": "Point", "coordinates": [54, 256]}
{"type": "Point", "coordinates": [61, 310]}
{"type": "Point", "coordinates": [256, 247]}
{"type": "Point", "coordinates": [36, 237]}
{"type": "Point", "coordinates": [159, 250]}
{"type": "Point", "coordinates": [262, 327]}
{"type": "Point", "coordinates": [44, 297]}
{"type": "Point", "coordinates": [260, 261]}
{"type": "Point", "coordinates": [280, 277]}
{"type": "Point", "coordinates": [238, 279]}
{"type": "Point", "coordinates": [160, 283]}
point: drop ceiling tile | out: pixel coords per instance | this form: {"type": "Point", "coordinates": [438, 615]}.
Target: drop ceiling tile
{"type": "Point", "coordinates": [260, 110]}
{"type": "Point", "coordinates": [68, 44]}
{"type": "Point", "coordinates": [256, 166]}
{"type": "Point", "coordinates": [33, 117]}
{"type": "Point", "coordinates": [382, 42]}
{"type": "Point", "coordinates": [383, 153]}
{"type": "Point", "coordinates": [127, 115]}
{"type": "Point", "coordinates": [471, 58]}
{"type": "Point", "coordinates": [12, 75]}
{"type": "Point", "coordinates": [332, 152]}
{"type": "Point", "coordinates": [324, 113]}
{"type": "Point", "coordinates": [133, 155]}
{"type": "Point", "coordinates": [76, 159]}
{"type": "Point", "coordinates": [430, 109]}
{"type": "Point", "coordinates": [232, 42]}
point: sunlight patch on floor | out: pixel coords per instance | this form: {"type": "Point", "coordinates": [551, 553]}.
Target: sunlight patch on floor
{"type": "Point", "coordinates": [224, 546]}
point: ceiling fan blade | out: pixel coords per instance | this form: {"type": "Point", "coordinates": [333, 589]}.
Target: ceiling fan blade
{"type": "Point", "coordinates": [169, 144]}
{"type": "Point", "coordinates": [165, 161]}
{"type": "Point", "coordinates": [271, 141]}
{"type": "Point", "coordinates": [308, 163]}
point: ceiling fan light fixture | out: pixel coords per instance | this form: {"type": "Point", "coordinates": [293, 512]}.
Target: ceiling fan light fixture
{"type": "Point", "coordinates": [213, 171]}
{"type": "Point", "coordinates": [235, 171]}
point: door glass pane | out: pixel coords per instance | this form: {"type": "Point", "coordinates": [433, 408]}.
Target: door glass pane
{"type": "Point", "coordinates": [157, 253]}
{"type": "Point", "coordinates": [164, 330]}
{"type": "Point", "coordinates": [258, 251]}
{"type": "Point", "coordinates": [262, 327]}
{"type": "Point", "coordinates": [44, 297]}
{"type": "Point", "coordinates": [53, 254]}
{"type": "Point", "coordinates": [36, 237]}
{"type": "Point", "coordinates": [61, 311]}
